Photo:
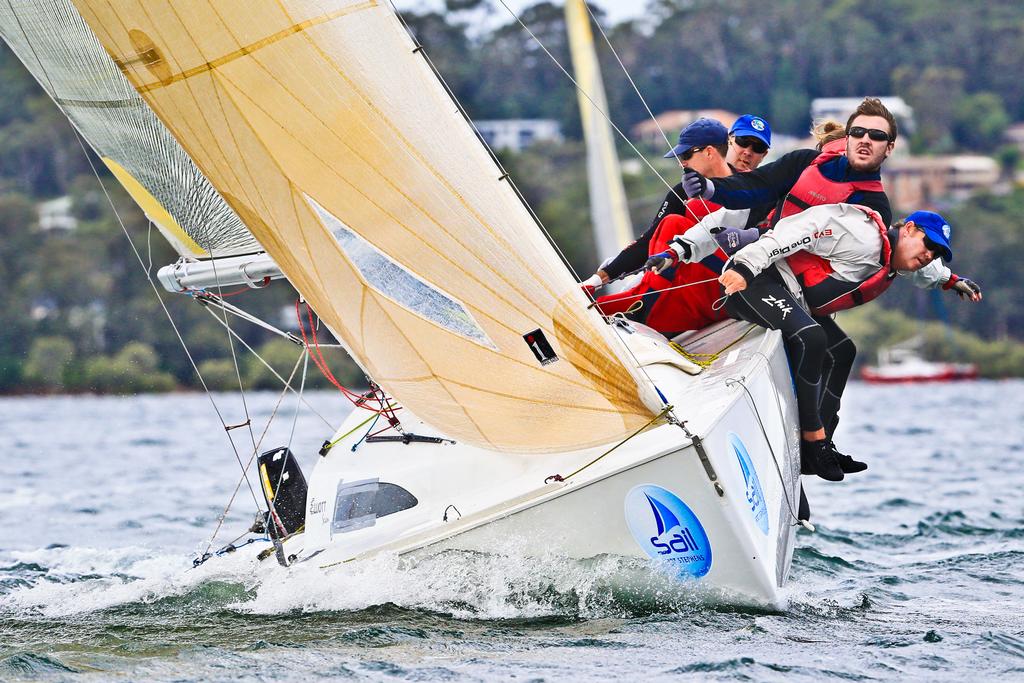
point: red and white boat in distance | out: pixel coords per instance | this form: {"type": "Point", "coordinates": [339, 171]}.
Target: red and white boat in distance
{"type": "Point", "coordinates": [904, 364]}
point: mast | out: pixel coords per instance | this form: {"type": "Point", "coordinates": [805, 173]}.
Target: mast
{"type": "Point", "coordinates": [609, 213]}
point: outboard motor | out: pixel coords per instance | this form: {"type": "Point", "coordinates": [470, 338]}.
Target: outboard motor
{"type": "Point", "coordinates": [284, 489]}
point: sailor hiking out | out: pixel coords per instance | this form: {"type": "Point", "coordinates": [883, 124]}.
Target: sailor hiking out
{"type": "Point", "coordinates": [822, 260]}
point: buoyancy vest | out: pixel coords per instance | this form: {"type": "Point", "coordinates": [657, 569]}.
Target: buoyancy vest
{"type": "Point", "coordinates": [813, 188]}
{"type": "Point", "coordinates": [674, 310]}
{"type": "Point", "coordinates": [825, 294]}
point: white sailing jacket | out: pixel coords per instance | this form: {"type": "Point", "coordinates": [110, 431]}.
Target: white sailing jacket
{"type": "Point", "coordinates": [844, 234]}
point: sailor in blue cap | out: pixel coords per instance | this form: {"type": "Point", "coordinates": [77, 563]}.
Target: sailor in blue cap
{"type": "Point", "coordinates": [814, 263]}
{"type": "Point", "coordinates": [750, 138]}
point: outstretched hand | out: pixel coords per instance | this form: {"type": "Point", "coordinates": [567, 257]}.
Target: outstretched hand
{"type": "Point", "coordinates": [968, 289]}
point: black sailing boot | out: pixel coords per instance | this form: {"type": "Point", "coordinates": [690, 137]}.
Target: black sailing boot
{"type": "Point", "coordinates": [846, 462]}
{"type": "Point", "coordinates": [817, 458]}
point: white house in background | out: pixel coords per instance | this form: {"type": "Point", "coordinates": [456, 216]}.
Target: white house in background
{"type": "Point", "coordinates": [518, 134]}
{"type": "Point", "coordinates": [56, 214]}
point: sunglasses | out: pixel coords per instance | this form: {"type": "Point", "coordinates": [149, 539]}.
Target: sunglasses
{"type": "Point", "coordinates": [937, 249]}
{"type": "Point", "coordinates": [873, 133]}
{"type": "Point", "coordinates": [688, 154]}
{"type": "Point", "coordinates": [749, 141]}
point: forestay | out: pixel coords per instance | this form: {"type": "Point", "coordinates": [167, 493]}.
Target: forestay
{"type": "Point", "coordinates": [327, 132]}
{"type": "Point", "coordinates": [60, 51]}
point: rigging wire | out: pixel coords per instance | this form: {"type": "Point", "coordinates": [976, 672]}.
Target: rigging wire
{"type": "Point", "coordinates": [238, 486]}
{"type": "Point", "coordinates": [605, 115]}
{"type": "Point", "coordinates": [135, 250]}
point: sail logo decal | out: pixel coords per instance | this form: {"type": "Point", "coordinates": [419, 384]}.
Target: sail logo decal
{"type": "Point", "coordinates": [405, 288]}
{"type": "Point", "coordinates": [754, 492]}
{"type": "Point", "coordinates": [666, 528]}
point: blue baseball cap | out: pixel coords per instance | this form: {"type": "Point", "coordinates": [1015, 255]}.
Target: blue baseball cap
{"type": "Point", "coordinates": [700, 133]}
{"type": "Point", "coordinates": [936, 229]}
{"type": "Point", "coordinates": [754, 126]}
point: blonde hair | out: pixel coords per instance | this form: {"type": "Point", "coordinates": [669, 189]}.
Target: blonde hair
{"type": "Point", "coordinates": [827, 131]}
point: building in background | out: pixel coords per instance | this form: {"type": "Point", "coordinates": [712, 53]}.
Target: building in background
{"type": "Point", "coordinates": [650, 131]}
{"type": "Point", "coordinates": [56, 215]}
{"type": "Point", "coordinates": [517, 134]}
{"type": "Point", "coordinates": [923, 182]}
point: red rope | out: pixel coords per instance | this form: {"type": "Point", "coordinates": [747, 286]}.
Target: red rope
{"type": "Point", "coordinates": [312, 346]}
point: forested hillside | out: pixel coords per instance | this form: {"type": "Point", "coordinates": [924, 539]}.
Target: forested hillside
{"type": "Point", "coordinates": [78, 314]}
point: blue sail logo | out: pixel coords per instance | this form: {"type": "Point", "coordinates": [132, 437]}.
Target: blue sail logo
{"type": "Point", "coordinates": [665, 527]}
{"type": "Point", "coordinates": [754, 492]}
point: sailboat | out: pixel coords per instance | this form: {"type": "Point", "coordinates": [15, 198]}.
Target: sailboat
{"type": "Point", "coordinates": [903, 363]}
{"type": "Point", "coordinates": [315, 142]}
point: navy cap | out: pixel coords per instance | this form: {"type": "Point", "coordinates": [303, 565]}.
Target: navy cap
{"type": "Point", "coordinates": [936, 228]}
{"type": "Point", "coordinates": [754, 126]}
{"type": "Point", "coordinates": [700, 133]}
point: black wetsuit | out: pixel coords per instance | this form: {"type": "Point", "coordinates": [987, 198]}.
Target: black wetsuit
{"type": "Point", "coordinates": [820, 354]}
{"type": "Point", "coordinates": [635, 255]}
{"type": "Point", "coordinates": [771, 182]}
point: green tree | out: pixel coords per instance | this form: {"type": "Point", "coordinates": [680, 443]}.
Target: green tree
{"type": "Point", "coordinates": [979, 122]}
{"type": "Point", "coordinates": [48, 358]}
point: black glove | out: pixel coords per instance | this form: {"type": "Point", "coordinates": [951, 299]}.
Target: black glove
{"type": "Point", "coordinates": [967, 288]}
{"type": "Point", "coordinates": [661, 261]}
{"type": "Point", "coordinates": [696, 185]}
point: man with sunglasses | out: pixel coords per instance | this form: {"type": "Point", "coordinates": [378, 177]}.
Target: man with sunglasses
{"type": "Point", "coordinates": [659, 300]}
{"type": "Point", "coordinates": [844, 171]}
{"type": "Point", "coordinates": [750, 138]}
{"type": "Point", "coordinates": [831, 258]}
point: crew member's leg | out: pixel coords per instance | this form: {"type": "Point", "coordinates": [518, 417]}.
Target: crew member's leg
{"type": "Point", "coordinates": [768, 303]}
{"type": "Point", "coordinates": [839, 357]}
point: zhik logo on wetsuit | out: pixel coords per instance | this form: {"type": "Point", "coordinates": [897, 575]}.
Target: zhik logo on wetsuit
{"type": "Point", "coordinates": [779, 304]}
{"type": "Point", "coordinates": [754, 493]}
{"type": "Point", "coordinates": [665, 527]}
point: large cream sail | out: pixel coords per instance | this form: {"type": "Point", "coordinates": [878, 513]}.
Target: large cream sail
{"type": "Point", "coordinates": [609, 211]}
{"type": "Point", "coordinates": [323, 128]}
{"type": "Point", "coordinates": [60, 51]}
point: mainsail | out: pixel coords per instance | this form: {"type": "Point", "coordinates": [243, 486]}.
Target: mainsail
{"type": "Point", "coordinates": [62, 53]}
{"type": "Point", "coordinates": [330, 136]}
{"type": "Point", "coordinates": [608, 209]}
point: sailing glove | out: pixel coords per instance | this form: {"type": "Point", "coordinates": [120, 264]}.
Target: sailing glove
{"type": "Point", "coordinates": [696, 185]}
{"type": "Point", "coordinates": [661, 261]}
{"type": "Point", "coordinates": [677, 251]}
{"type": "Point", "coordinates": [964, 287]}
{"type": "Point", "coordinates": [732, 240]}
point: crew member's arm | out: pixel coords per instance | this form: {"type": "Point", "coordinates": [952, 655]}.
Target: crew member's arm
{"type": "Point", "coordinates": [633, 256]}
{"type": "Point", "coordinates": [764, 185]}
{"type": "Point", "coordinates": [699, 241]}
{"type": "Point", "coordinates": [818, 230]}
{"type": "Point", "coordinates": [936, 274]}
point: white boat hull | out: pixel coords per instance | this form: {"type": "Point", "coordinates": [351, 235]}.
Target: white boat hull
{"type": "Point", "coordinates": [726, 521]}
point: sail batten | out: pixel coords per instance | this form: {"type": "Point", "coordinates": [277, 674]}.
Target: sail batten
{"type": "Point", "coordinates": [307, 116]}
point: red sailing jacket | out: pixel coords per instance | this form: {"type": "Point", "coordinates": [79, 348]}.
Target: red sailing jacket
{"type": "Point", "coordinates": [823, 293]}
{"type": "Point", "coordinates": [676, 310]}
{"type": "Point", "coordinates": [812, 188]}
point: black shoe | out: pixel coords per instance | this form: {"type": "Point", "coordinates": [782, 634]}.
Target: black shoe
{"type": "Point", "coordinates": [817, 458]}
{"type": "Point", "coordinates": [846, 462]}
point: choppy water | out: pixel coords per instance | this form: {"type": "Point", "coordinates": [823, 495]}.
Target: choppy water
{"type": "Point", "coordinates": [916, 570]}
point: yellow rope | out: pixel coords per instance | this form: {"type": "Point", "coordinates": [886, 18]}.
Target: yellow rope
{"type": "Point", "coordinates": [331, 444]}
{"type": "Point", "coordinates": [705, 360]}
{"type": "Point", "coordinates": [558, 477]}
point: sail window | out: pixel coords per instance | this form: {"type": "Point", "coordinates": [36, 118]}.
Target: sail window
{"type": "Point", "coordinates": [357, 505]}
{"type": "Point", "coordinates": [400, 285]}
